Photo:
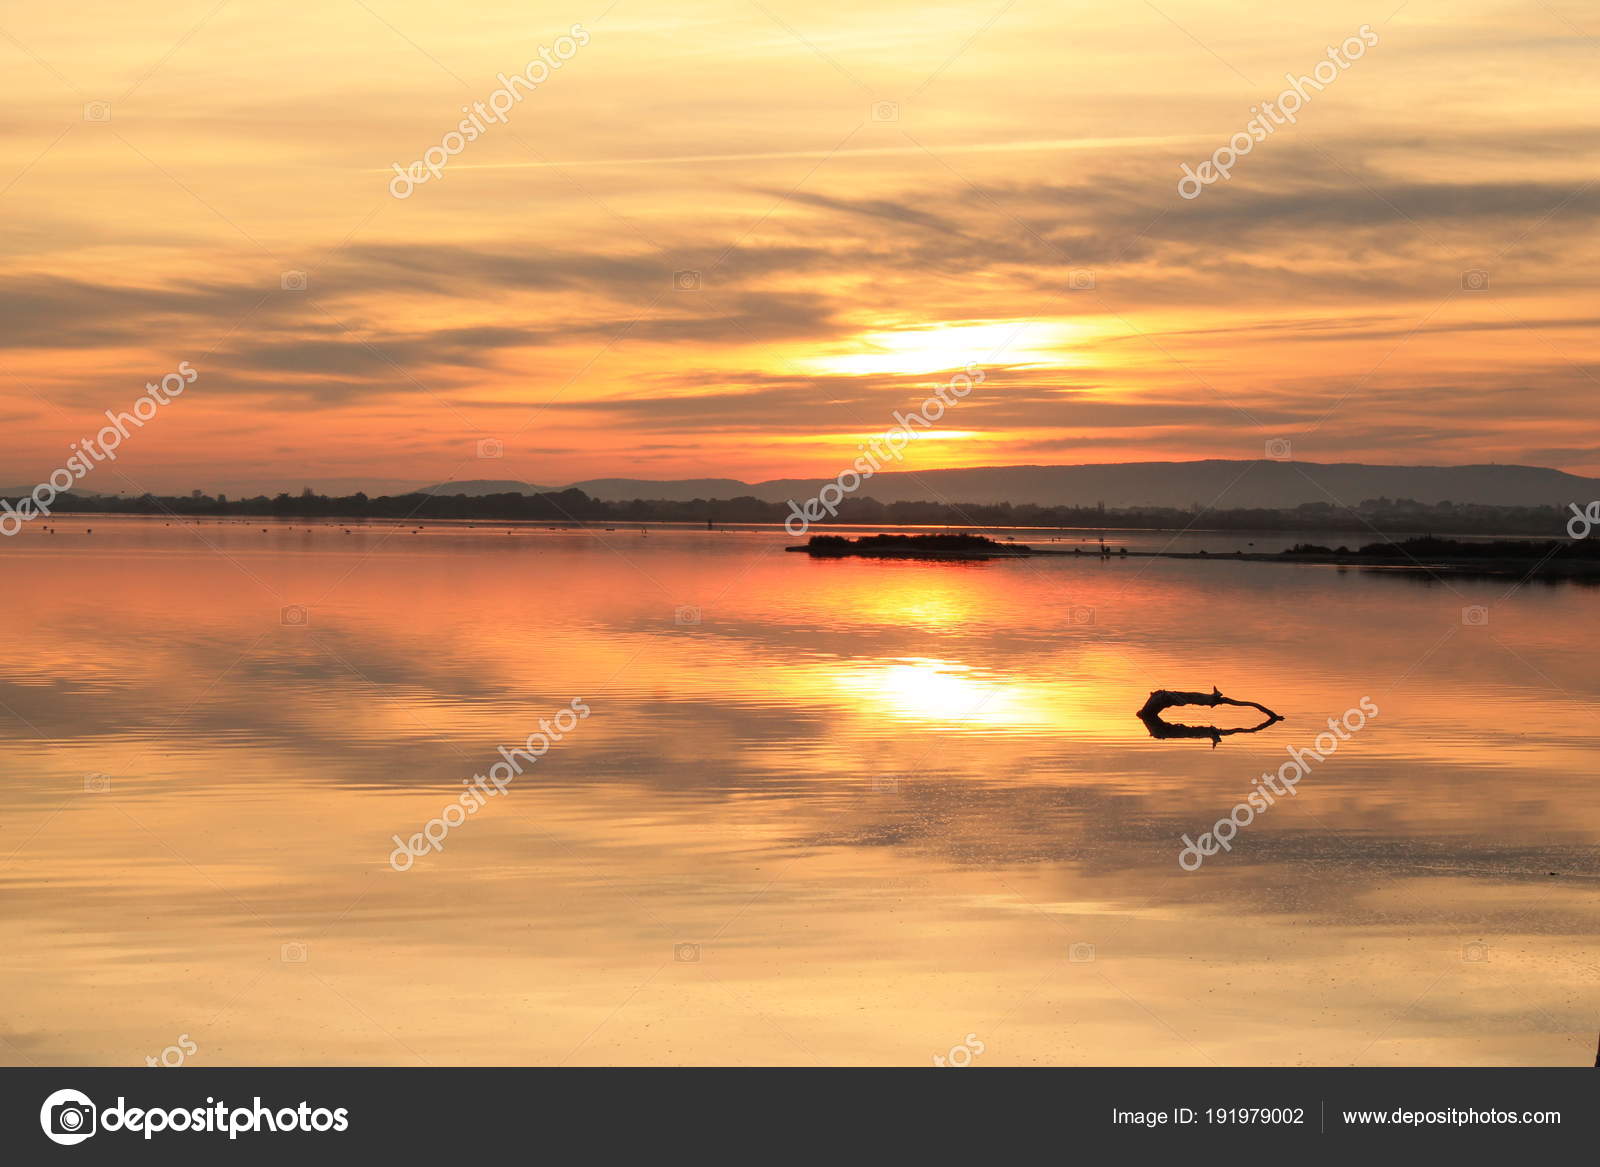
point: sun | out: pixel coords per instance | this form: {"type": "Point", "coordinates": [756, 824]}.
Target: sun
{"type": "Point", "coordinates": [954, 346]}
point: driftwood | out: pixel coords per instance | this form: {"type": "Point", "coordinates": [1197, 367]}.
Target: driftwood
{"type": "Point", "coordinates": [1164, 699]}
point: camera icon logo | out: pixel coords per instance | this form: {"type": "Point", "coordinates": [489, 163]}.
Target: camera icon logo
{"type": "Point", "coordinates": [1081, 614]}
{"type": "Point", "coordinates": [293, 281]}
{"type": "Point", "coordinates": [686, 281]}
{"type": "Point", "coordinates": [97, 111]}
{"type": "Point", "coordinates": [1278, 449]}
{"type": "Point", "coordinates": [1080, 279]}
{"type": "Point", "coordinates": [294, 952]}
{"type": "Point", "coordinates": [491, 448]}
{"type": "Point", "coordinates": [886, 111]}
{"type": "Point", "coordinates": [1476, 280]}
{"type": "Point", "coordinates": [96, 783]}
{"type": "Point", "coordinates": [294, 616]}
{"type": "Point", "coordinates": [885, 784]}
{"type": "Point", "coordinates": [686, 614]}
{"type": "Point", "coordinates": [686, 953]}
{"type": "Point", "coordinates": [68, 1117]}
{"type": "Point", "coordinates": [1475, 952]}
{"type": "Point", "coordinates": [1475, 616]}
{"type": "Point", "coordinates": [1081, 953]}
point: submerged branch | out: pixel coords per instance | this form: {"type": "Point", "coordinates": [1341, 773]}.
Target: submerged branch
{"type": "Point", "coordinates": [1164, 699]}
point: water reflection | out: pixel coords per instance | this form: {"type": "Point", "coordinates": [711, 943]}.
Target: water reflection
{"type": "Point", "coordinates": [886, 800]}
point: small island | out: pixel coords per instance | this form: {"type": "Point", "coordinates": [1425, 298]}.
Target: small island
{"type": "Point", "coordinates": [952, 546]}
{"type": "Point", "coordinates": [1549, 559]}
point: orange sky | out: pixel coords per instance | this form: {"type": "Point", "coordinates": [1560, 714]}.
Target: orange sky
{"type": "Point", "coordinates": [872, 197]}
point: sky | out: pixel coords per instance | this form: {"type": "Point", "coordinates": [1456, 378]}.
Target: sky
{"type": "Point", "coordinates": [732, 238]}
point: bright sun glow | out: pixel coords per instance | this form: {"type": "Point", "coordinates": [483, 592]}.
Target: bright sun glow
{"type": "Point", "coordinates": [918, 351]}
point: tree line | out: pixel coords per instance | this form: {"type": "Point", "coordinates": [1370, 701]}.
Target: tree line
{"type": "Point", "coordinates": [574, 506]}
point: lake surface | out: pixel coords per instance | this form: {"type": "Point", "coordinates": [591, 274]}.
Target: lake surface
{"type": "Point", "coordinates": [818, 812]}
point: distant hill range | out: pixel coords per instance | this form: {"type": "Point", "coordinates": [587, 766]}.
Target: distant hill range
{"type": "Point", "coordinates": [1263, 483]}
{"type": "Point", "coordinates": [478, 487]}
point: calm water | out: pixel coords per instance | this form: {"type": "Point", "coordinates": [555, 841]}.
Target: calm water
{"type": "Point", "coordinates": [855, 813]}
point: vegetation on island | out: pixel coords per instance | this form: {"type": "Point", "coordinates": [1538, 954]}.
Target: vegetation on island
{"type": "Point", "coordinates": [942, 546]}
{"type": "Point", "coordinates": [1431, 547]}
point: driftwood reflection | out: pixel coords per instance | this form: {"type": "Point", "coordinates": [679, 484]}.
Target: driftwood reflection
{"type": "Point", "coordinates": [1164, 699]}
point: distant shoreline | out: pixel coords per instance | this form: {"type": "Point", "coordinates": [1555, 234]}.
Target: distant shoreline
{"type": "Point", "coordinates": [1431, 556]}
{"type": "Point", "coordinates": [1381, 516]}
{"type": "Point", "coordinates": [1577, 568]}
{"type": "Point", "coordinates": [1086, 533]}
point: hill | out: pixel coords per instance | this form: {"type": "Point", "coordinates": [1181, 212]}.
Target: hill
{"type": "Point", "coordinates": [1259, 483]}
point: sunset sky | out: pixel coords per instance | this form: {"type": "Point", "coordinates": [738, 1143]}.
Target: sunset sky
{"type": "Point", "coordinates": [873, 196]}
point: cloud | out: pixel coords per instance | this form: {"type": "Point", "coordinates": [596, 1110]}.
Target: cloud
{"type": "Point", "coordinates": [52, 311]}
{"type": "Point", "coordinates": [888, 210]}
